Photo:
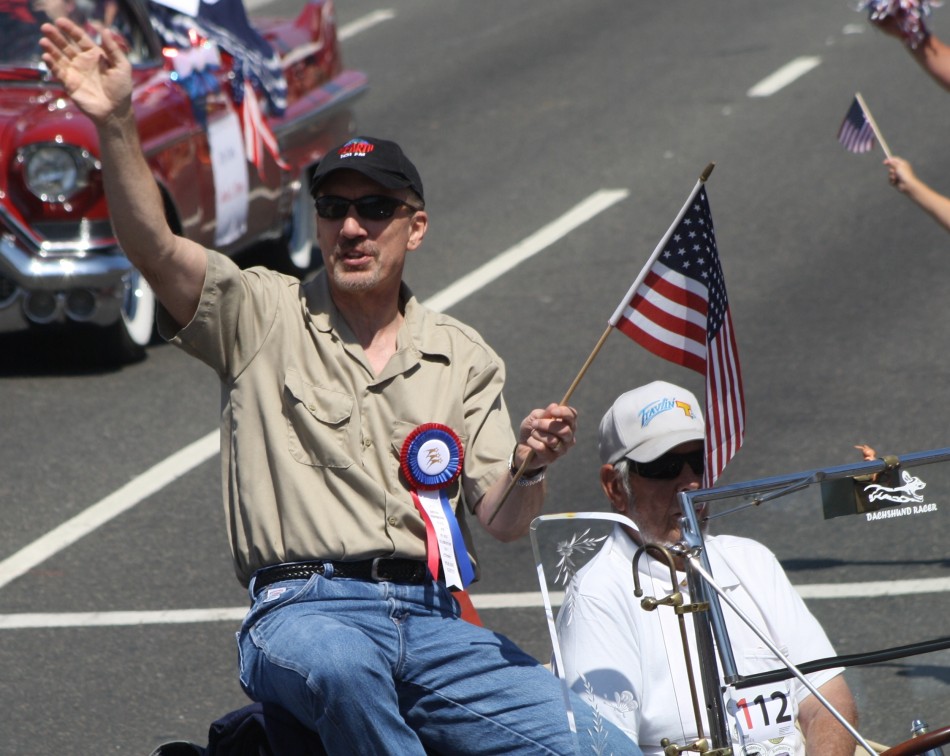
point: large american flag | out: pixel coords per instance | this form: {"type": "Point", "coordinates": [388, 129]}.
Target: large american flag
{"type": "Point", "coordinates": [680, 312]}
{"type": "Point", "coordinates": [856, 132]}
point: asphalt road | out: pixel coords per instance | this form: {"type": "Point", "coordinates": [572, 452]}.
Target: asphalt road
{"type": "Point", "coordinates": [516, 113]}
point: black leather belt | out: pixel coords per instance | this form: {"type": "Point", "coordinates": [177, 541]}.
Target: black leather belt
{"type": "Point", "coordinates": [379, 570]}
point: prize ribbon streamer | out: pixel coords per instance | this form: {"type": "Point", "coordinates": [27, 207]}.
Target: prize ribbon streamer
{"type": "Point", "coordinates": [431, 459]}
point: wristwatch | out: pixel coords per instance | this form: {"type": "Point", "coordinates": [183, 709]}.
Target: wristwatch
{"type": "Point", "coordinates": [530, 477]}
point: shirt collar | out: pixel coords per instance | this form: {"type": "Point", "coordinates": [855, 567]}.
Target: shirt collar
{"type": "Point", "coordinates": [626, 548]}
{"type": "Point", "coordinates": [418, 326]}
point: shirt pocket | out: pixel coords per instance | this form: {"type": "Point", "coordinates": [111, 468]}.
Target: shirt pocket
{"type": "Point", "coordinates": [318, 422]}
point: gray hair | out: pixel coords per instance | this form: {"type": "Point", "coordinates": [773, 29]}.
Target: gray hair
{"type": "Point", "coordinates": [622, 469]}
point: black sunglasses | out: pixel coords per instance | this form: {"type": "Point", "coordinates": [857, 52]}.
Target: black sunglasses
{"type": "Point", "coordinates": [370, 207]}
{"type": "Point", "coordinates": [670, 465]}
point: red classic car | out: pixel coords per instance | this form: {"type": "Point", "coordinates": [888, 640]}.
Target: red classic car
{"type": "Point", "coordinates": [232, 118]}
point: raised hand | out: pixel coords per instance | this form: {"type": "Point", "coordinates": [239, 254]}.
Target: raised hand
{"type": "Point", "coordinates": [97, 78]}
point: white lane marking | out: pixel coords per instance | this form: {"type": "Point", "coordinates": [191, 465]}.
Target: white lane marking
{"type": "Point", "coordinates": [873, 589]}
{"type": "Point", "coordinates": [119, 619]}
{"type": "Point", "coordinates": [203, 449]}
{"type": "Point", "coordinates": [784, 76]}
{"type": "Point", "coordinates": [140, 487]}
{"type": "Point", "coordinates": [482, 601]}
{"type": "Point", "coordinates": [362, 24]}
{"type": "Point", "coordinates": [538, 241]}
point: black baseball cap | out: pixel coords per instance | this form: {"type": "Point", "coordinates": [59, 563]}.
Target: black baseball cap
{"type": "Point", "coordinates": [379, 159]}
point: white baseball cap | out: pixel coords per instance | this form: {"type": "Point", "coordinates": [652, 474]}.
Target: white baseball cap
{"type": "Point", "coordinates": [645, 423]}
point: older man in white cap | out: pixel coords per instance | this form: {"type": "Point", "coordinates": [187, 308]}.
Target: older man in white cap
{"type": "Point", "coordinates": [628, 662]}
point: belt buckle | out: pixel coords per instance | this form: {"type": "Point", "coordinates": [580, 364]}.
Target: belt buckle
{"type": "Point", "coordinates": [374, 570]}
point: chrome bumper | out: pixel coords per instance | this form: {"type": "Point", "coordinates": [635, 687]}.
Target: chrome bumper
{"type": "Point", "coordinates": [87, 287]}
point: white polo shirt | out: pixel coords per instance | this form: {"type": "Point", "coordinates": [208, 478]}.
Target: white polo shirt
{"type": "Point", "coordinates": [629, 662]}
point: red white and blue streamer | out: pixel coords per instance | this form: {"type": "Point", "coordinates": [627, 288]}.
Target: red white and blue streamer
{"type": "Point", "coordinates": [431, 459]}
{"type": "Point", "coordinates": [257, 133]}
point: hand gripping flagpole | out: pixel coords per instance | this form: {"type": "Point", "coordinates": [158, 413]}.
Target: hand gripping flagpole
{"type": "Point", "coordinates": [873, 124]}
{"type": "Point", "coordinates": [610, 326]}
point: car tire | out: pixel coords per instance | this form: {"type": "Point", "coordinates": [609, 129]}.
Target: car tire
{"type": "Point", "coordinates": [134, 330]}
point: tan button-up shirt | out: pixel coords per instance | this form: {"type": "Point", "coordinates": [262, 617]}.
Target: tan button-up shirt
{"type": "Point", "coordinates": [311, 438]}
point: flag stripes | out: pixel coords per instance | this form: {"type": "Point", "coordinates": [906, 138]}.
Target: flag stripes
{"type": "Point", "coordinates": [725, 410]}
{"type": "Point", "coordinates": [667, 318]}
{"type": "Point", "coordinates": [680, 312]}
{"type": "Point", "coordinates": [856, 132]}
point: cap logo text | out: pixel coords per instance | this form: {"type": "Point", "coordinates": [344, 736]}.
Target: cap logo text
{"type": "Point", "coordinates": [648, 413]}
{"type": "Point", "coordinates": [356, 148]}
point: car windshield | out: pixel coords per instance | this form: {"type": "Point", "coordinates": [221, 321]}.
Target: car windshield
{"type": "Point", "coordinates": [20, 22]}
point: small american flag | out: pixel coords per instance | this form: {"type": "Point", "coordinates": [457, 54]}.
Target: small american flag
{"type": "Point", "coordinates": [856, 132]}
{"type": "Point", "coordinates": [680, 312]}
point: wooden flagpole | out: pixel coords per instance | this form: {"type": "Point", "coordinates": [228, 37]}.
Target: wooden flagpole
{"type": "Point", "coordinates": [871, 121]}
{"type": "Point", "coordinates": [610, 326]}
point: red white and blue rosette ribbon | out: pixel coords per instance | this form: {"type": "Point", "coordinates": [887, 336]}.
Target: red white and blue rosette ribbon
{"type": "Point", "coordinates": [431, 459]}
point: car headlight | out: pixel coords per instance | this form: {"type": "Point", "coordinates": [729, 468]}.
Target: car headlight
{"type": "Point", "coordinates": [55, 172]}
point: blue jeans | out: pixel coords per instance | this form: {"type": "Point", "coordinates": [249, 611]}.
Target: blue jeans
{"type": "Point", "coordinates": [386, 668]}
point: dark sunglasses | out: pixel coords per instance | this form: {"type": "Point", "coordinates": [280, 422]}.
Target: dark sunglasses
{"type": "Point", "coordinates": [670, 465]}
{"type": "Point", "coordinates": [370, 207]}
